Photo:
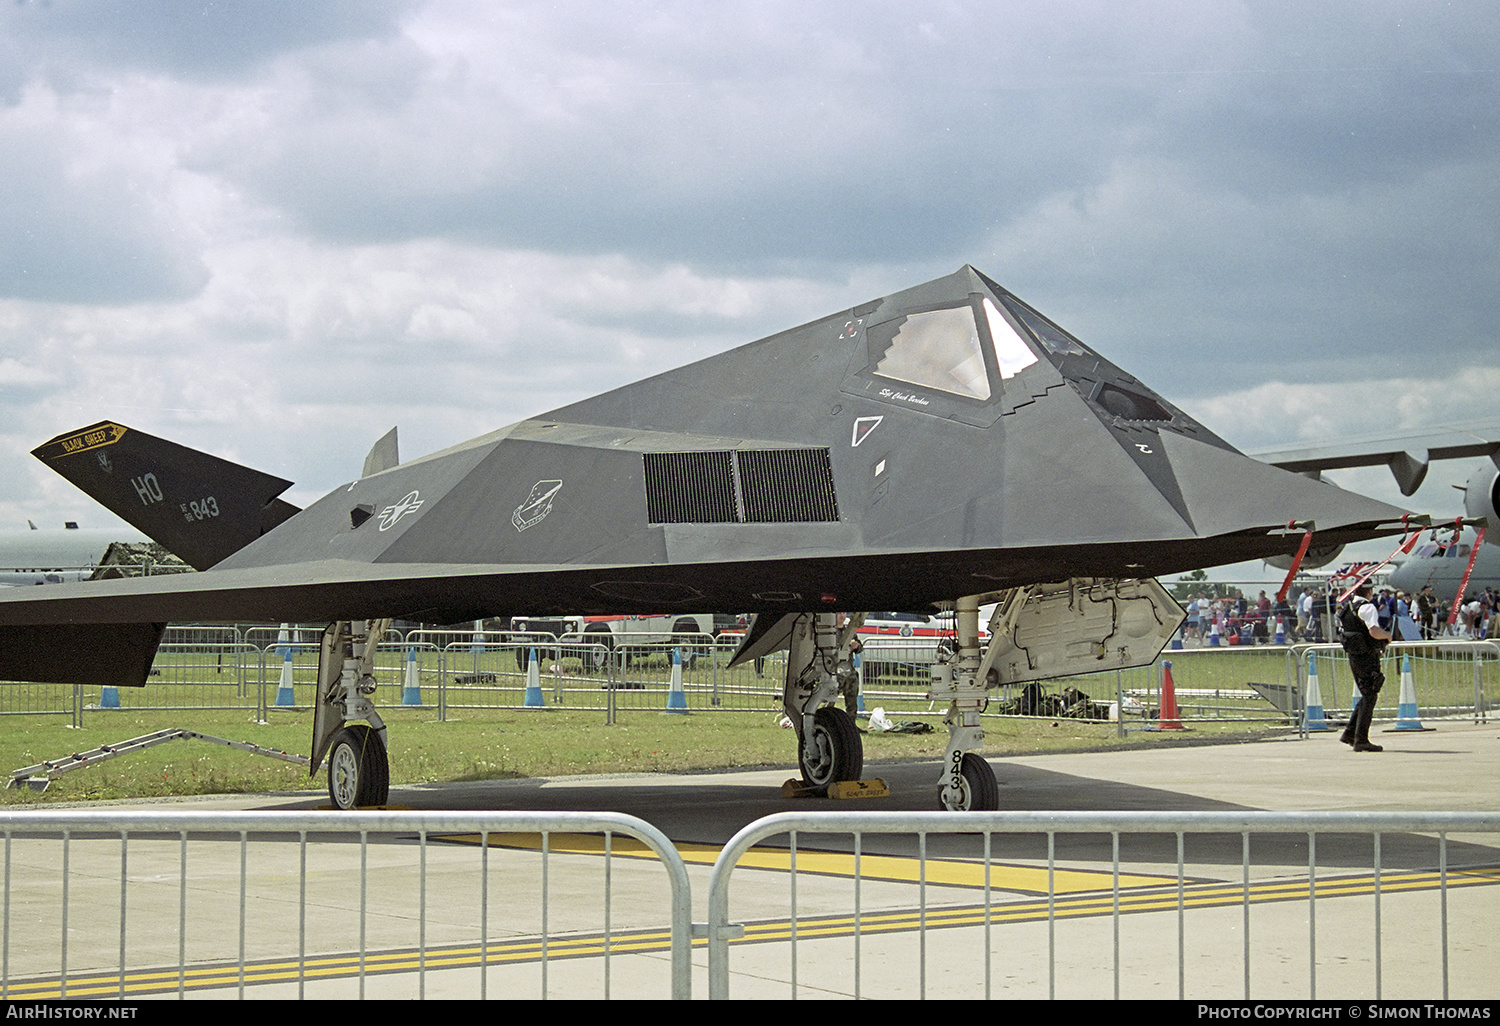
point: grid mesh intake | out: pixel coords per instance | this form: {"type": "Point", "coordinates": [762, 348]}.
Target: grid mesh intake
{"type": "Point", "coordinates": [757, 486]}
{"type": "Point", "coordinates": [690, 487]}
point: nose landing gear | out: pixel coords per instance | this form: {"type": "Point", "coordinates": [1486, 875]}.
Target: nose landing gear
{"type": "Point", "coordinates": [359, 771]}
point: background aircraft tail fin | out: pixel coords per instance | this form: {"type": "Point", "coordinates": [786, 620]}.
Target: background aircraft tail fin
{"type": "Point", "coordinates": [200, 507]}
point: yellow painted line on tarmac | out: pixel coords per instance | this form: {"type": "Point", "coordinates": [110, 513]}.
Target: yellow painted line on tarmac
{"type": "Point", "coordinates": [1197, 896]}
{"type": "Point", "coordinates": [1004, 876]}
{"type": "Point", "coordinates": [221, 975]}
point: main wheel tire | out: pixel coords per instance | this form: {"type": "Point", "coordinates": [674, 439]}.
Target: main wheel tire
{"type": "Point", "coordinates": [690, 651]}
{"type": "Point", "coordinates": [977, 792]}
{"type": "Point", "coordinates": [840, 754]}
{"type": "Point", "coordinates": [359, 772]}
{"type": "Point", "coordinates": [600, 650]}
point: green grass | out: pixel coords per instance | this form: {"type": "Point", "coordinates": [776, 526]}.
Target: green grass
{"type": "Point", "coordinates": [507, 741]}
{"type": "Point", "coordinates": [477, 745]}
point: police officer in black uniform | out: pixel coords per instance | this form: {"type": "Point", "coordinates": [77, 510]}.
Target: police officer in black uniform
{"type": "Point", "coordinates": [1364, 641]}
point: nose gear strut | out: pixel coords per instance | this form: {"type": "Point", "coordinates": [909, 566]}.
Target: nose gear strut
{"type": "Point", "coordinates": [359, 771]}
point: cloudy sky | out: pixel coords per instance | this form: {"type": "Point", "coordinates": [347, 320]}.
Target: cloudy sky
{"type": "Point", "coordinates": [273, 228]}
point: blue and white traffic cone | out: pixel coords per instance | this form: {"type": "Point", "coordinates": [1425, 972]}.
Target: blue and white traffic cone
{"type": "Point", "coordinates": [1406, 709]}
{"type": "Point", "coordinates": [411, 693]}
{"type": "Point", "coordinates": [1317, 719]}
{"type": "Point", "coordinates": [109, 697]}
{"type": "Point", "coordinates": [676, 697]}
{"type": "Point", "coordinates": [285, 697]}
{"type": "Point", "coordinates": [283, 641]}
{"type": "Point", "coordinates": [1280, 631]}
{"type": "Point", "coordinates": [1213, 635]}
{"type": "Point", "coordinates": [533, 683]}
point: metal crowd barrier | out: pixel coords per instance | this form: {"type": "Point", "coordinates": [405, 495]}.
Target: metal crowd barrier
{"type": "Point", "coordinates": [520, 904]}
{"type": "Point", "coordinates": [588, 672]}
{"type": "Point", "coordinates": [320, 899]}
{"type": "Point", "coordinates": [1451, 678]}
{"type": "Point", "coordinates": [1003, 923]}
{"type": "Point", "coordinates": [207, 668]}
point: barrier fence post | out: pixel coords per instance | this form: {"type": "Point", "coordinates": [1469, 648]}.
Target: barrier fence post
{"type": "Point", "coordinates": [1479, 710]}
{"type": "Point", "coordinates": [260, 689]}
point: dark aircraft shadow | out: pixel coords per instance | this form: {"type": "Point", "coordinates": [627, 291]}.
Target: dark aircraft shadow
{"type": "Point", "coordinates": [711, 808]}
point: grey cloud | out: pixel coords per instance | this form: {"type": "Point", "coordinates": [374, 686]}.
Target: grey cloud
{"type": "Point", "coordinates": [74, 231]}
{"type": "Point", "coordinates": [791, 138]}
{"type": "Point", "coordinates": [824, 145]}
{"type": "Point", "coordinates": [1160, 270]}
{"type": "Point", "coordinates": [205, 40]}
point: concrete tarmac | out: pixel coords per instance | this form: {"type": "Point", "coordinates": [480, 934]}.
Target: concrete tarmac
{"type": "Point", "coordinates": [1296, 947]}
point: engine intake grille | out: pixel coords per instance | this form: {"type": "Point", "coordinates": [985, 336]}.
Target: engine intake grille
{"type": "Point", "coordinates": [748, 486]}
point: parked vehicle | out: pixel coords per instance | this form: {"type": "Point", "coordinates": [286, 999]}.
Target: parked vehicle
{"type": "Point", "coordinates": [904, 641]}
{"type": "Point", "coordinates": [602, 638]}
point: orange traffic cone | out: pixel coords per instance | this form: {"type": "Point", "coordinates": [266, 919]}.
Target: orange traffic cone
{"type": "Point", "coordinates": [1167, 718]}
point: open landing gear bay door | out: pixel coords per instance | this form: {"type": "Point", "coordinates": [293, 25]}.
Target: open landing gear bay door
{"type": "Point", "coordinates": [1080, 626]}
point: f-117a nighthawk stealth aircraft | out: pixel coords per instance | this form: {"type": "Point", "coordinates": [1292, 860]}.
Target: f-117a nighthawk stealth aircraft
{"type": "Point", "coordinates": [945, 447]}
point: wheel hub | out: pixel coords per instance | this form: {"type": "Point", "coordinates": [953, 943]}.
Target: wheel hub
{"type": "Point", "coordinates": [343, 767]}
{"type": "Point", "coordinates": [818, 763]}
{"type": "Point", "coordinates": [955, 795]}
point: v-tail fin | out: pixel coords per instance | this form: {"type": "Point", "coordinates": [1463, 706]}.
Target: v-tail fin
{"type": "Point", "coordinates": [202, 508]}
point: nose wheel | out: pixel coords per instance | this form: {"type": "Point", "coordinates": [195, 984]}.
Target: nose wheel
{"type": "Point", "coordinates": [359, 773]}
{"type": "Point", "coordinates": [972, 789]}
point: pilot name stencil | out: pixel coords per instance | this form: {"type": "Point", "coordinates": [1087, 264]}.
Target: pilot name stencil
{"type": "Point", "coordinates": [904, 397]}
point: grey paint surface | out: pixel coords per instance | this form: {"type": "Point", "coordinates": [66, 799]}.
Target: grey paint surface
{"type": "Point", "coordinates": [1069, 467]}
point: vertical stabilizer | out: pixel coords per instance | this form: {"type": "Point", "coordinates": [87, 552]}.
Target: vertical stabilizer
{"type": "Point", "coordinates": [200, 507]}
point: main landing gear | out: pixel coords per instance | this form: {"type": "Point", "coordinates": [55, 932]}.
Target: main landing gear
{"type": "Point", "coordinates": [359, 771]}
{"type": "Point", "coordinates": [833, 751]}
{"type": "Point", "coordinates": [829, 749]}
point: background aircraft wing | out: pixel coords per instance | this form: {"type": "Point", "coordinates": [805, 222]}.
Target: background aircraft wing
{"type": "Point", "coordinates": [1406, 455]}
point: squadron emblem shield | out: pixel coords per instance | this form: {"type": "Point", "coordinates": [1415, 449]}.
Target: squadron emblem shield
{"type": "Point", "coordinates": [537, 505]}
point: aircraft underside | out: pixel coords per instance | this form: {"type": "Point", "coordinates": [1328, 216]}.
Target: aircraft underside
{"type": "Point", "coordinates": [1035, 633]}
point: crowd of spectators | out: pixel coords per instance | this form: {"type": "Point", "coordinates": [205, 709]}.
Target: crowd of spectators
{"type": "Point", "coordinates": [1238, 619]}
